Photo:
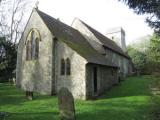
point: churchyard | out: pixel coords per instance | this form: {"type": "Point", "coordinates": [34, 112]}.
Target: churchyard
{"type": "Point", "coordinates": [136, 98]}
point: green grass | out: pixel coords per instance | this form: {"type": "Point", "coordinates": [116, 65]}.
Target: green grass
{"type": "Point", "coordinates": [131, 100]}
{"type": "Point", "coordinates": [155, 112]}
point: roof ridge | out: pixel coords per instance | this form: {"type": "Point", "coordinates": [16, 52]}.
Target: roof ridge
{"type": "Point", "coordinates": [120, 51]}
{"type": "Point", "coordinates": [73, 38]}
{"type": "Point", "coordinates": [57, 20]}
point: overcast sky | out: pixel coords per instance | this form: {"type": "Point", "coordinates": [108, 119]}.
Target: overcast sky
{"type": "Point", "coordinates": [99, 14]}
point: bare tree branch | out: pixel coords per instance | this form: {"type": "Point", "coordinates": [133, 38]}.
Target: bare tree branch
{"type": "Point", "coordinates": [12, 17]}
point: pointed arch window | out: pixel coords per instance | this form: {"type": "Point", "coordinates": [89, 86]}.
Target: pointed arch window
{"type": "Point", "coordinates": [68, 66]}
{"type": "Point", "coordinates": [32, 45]}
{"type": "Point", "coordinates": [37, 48]}
{"type": "Point", "coordinates": [62, 67]}
{"type": "Point", "coordinates": [28, 50]}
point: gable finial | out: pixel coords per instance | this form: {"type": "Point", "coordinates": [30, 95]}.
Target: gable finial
{"type": "Point", "coordinates": [36, 5]}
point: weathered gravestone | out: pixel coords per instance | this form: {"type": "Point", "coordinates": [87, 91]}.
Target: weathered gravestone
{"type": "Point", "coordinates": [29, 95]}
{"type": "Point", "coordinates": [66, 104]}
{"type": "Point", "coordinates": [3, 115]}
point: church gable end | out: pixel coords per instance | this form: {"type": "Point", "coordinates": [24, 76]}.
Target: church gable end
{"type": "Point", "coordinates": [34, 59]}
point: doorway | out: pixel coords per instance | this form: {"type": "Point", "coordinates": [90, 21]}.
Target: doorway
{"type": "Point", "coordinates": [95, 79]}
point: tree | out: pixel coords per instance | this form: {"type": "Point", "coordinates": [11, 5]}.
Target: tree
{"type": "Point", "coordinates": [138, 58]}
{"type": "Point", "coordinates": [8, 56]}
{"type": "Point", "coordinates": [146, 60]}
{"type": "Point", "coordinates": [149, 7]}
{"type": "Point", "coordinates": [154, 53]}
{"type": "Point", "coordinates": [11, 18]}
{"type": "Point", "coordinates": [155, 48]}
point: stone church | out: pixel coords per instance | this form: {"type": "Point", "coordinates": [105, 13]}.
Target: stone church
{"type": "Point", "coordinates": [52, 55]}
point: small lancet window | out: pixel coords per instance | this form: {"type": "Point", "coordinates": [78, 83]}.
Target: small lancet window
{"type": "Point", "coordinates": [62, 67]}
{"type": "Point", "coordinates": [68, 66]}
{"type": "Point", "coordinates": [28, 50]}
{"type": "Point", "coordinates": [33, 44]}
{"type": "Point", "coordinates": [37, 48]}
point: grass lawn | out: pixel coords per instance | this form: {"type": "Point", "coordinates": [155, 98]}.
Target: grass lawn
{"type": "Point", "coordinates": [131, 100]}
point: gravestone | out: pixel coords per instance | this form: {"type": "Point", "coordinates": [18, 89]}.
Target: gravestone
{"type": "Point", "coordinates": [3, 115]}
{"type": "Point", "coordinates": [29, 95]}
{"type": "Point", "coordinates": [66, 104]}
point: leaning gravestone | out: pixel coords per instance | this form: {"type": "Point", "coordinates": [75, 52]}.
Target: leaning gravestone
{"type": "Point", "coordinates": [66, 104]}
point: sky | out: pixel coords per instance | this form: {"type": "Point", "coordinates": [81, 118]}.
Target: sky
{"type": "Point", "coordinates": [99, 14]}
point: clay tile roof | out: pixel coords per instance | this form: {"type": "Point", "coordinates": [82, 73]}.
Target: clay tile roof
{"type": "Point", "coordinates": [74, 39]}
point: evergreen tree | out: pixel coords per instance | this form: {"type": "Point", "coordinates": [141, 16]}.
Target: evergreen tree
{"type": "Point", "coordinates": [8, 56]}
{"type": "Point", "coordinates": [150, 7]}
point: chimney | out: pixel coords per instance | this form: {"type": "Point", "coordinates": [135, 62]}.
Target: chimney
{"type": "Point", "coordinates": [118, 36]}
